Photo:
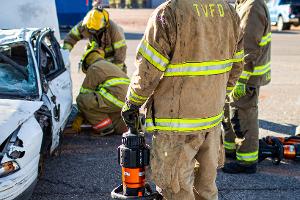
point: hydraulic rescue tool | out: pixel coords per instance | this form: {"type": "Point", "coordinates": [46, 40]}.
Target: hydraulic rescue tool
{"type": "Point", "coordinates": [134, 156]}
{"type": "Point", "coordinates": [278, 148]}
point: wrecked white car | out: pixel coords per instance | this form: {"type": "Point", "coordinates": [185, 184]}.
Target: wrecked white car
{"type": "Point", "coordinates": [35, 103]}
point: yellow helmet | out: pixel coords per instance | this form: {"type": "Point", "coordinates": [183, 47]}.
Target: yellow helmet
{"type": "Point", "coordinates": [92, 55]}
{"type": "Point", "coordinates": [96, 19]}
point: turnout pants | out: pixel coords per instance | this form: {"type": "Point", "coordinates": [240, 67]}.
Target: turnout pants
{"type": "Point", "coordinates": [173, 158]}
{"type": "Point", "coordinates": [241, 121]}
{"type": "Point", "coordinates": [97, 110]}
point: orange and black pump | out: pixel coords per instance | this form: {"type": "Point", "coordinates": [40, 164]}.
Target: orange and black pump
{"type": "Point", "coordinates": [134, 157]}
{"type": "Point", "coordinates": [278, 148]}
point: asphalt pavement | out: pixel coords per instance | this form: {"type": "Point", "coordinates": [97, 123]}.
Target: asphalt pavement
{"type": "Point", "coordinates": [87, 167]}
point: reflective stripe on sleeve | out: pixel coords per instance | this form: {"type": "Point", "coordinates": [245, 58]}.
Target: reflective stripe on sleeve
{"type": "Point", "coordinates": [103, 92]}
{"type": "Point", "coordinates": [109, 49]}
{"type": "Point", "coordinates": [239, 56]}
{"type": "Point", "coordinates": [133, 96]}
{"type": "Point", "coordinates": [245, 75]}
{"type": "Point", "coordinates": [75, 32]}
{"type": "Point", "coordinates": [67, 46]}
{"type": "Point", "coordinates": [229, 145]}
{"type": "Point", "coordinates": [119, 44]}
{"type": "Point", "coordinates": [153, 56]}
{"type": "Point", "coordinates": [183, 125]}
{"type": "Point", "coordinates": [229, 90]}
{"type": "Point", "coordinates": [114, 82]}
{"type": "Point", "coordinates": [247, 157]}
{"type": "Point", "coordinates": [200, 68]}
{"type": "Point", "coordinates": [85, 90]}
{"type": "Point", "coordinates": [265, 40]}
{"type": "Point", "coordinates": [261, 70]}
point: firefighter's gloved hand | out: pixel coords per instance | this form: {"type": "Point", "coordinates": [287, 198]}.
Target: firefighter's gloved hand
{"type": "Point", "coordinates": [66, 57]}
{"type": "Point", "coordinates": [239, 90]}
{"type": "Point", "coordinates": [76, 125]}
{"type": "Point", "coordinates": [130, 114]}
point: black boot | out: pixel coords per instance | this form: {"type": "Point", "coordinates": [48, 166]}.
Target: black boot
{"type": "Point", "coordinates": [235, 168]}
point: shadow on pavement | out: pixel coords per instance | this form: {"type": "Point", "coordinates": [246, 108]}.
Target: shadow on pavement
{"type": "Point", "coordinates": [133, 36]}
{"type": "Point", "coordinates": [289, 129]}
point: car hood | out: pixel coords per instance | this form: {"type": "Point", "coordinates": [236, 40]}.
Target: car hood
{"type": "Point", "coordinates": [13, 113]}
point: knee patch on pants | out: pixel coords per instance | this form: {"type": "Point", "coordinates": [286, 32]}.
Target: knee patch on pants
{"type": "Point", "coordinates": [172, 162]}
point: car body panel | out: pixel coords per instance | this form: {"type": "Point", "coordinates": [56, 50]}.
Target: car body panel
{"type": "Point", "coordinates": [18, 116]}
{"type": "Point", "coordinates": [16, 112]}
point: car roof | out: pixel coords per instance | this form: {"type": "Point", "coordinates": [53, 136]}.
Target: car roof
{"type": "Point", "coordinates": [17, 35]}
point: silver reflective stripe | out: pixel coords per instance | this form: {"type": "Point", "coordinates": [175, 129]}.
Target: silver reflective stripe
{"type": "Point", "coordinates": [114, 82]}
{"type": "Point", "coordinates": [261, 70]}
{"type": "Point", "coordinates": [153, 56]}
{"type": "Point", "coordinates": [103, 92]}
{"type": "Point", "coordinates": [119, 44]}
{"type": "Point", "coordinates": [239, 56]}
{"type": "Point", "coordinates": [184, 125]}
{"type": "Point", "coordinates": [198, 68]}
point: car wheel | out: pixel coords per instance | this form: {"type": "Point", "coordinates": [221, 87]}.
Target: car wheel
{"type": "Point", "coordinates": [281, 25]}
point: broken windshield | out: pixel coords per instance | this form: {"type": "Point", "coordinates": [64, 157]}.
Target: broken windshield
{"type": "Point", "coordinates": [17, 73]}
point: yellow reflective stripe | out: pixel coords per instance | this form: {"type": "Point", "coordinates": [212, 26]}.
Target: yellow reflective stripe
{"type": "Point", "coordinates": [239, 56]}
{"type": "Point", "coordinates": [200, 68]}
{"type": "Point", "coordinates": [245, 75]}
{"type": "Point", "coordinates": [85, 90]}
{"type": "Point", "coordinates": [183, 125]}
{"type": "Point", "coordinates": [265, 39]}
{"type": "Point", "coordinates": [75, 32]}
{"type": "Point", "coordinates": [229, 145]}
{"type": "Point", "coordinates": [229, 90]}
{"type": "Point", "coordinates": [119, 44]}
{"type": "Point", "coordinates": [153, 56]}
{"type": "Point", "coordinates": [114, 82]}
{"type": "Point", "coordinates": [249, 157]}
{"type": "Point", "coordinates": [103, 92]}
{"type": "Point", "coordinates": [67, 46]}
{"type": "Point", "coordinates": [261, 70]}
{"type": "Point", "coordinates": [121, 65]}
{"type": "Point", "coordinates": [92, 46]}
{"type": "Point", "coordinates": [133, 96]}
{"type": "Point", "coordinates": [109, 49]}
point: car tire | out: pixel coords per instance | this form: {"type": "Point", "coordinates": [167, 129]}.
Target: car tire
{"type": "Point", "coordinates": [281, 26]}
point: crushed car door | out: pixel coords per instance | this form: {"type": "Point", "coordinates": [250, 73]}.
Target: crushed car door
{"type": "Point", "coordinates": [58, 80]}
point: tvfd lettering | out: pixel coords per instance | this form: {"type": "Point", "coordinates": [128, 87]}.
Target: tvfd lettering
{"type": "Point", "coordinates": [209, 10]}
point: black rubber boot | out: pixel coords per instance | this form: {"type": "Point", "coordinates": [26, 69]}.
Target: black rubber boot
{"type": "Point", "coordinates": [236, 168]}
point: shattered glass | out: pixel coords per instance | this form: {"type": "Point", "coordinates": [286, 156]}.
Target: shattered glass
{"type": "Point", "coordinates": [17, 78]}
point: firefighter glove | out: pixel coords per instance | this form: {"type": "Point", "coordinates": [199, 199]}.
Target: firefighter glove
{"type": "Point", "coordinates": [239, 90]}
{"type": "Point", "coordinates": [76, 125]}
{"type": "Point", "coordinates": [130, 114]}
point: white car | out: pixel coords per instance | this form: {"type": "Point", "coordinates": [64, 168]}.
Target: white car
{"type": "Point", "coordinates": [35, 103]}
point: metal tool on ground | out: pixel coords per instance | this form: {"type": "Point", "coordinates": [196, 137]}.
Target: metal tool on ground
{"type": "Point", "coordinates": [279, 148]}
{"type": "Point", "coordinates": [134, 156]}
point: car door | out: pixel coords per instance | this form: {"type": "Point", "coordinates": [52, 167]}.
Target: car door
{"type": "Point", "coordinates": [58, 80]}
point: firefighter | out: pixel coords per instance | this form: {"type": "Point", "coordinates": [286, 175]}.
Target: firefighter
{"type": "Point", "coordinates": [128, 3]}
{"type": "Point", "coordinates": [115, 3]}
{"type": "Point", "coordinates": [186, 60]}
{"type": "Point", "coordinates": [102, 95]}
{"type": "Point", "coordinates": [100, 29]}
{"type": "Point", "coordinates": [241, 141]}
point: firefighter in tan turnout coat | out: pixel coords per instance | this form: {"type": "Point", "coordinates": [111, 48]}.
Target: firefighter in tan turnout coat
{"type": "Point", "coordinates": [191, 52]}
{"type": "Point", "coordinates": [101, 32]}
{"type": "Point", "coordinates": [241, 141]}
{"type": "Point", "coordinates": [102, 95]}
